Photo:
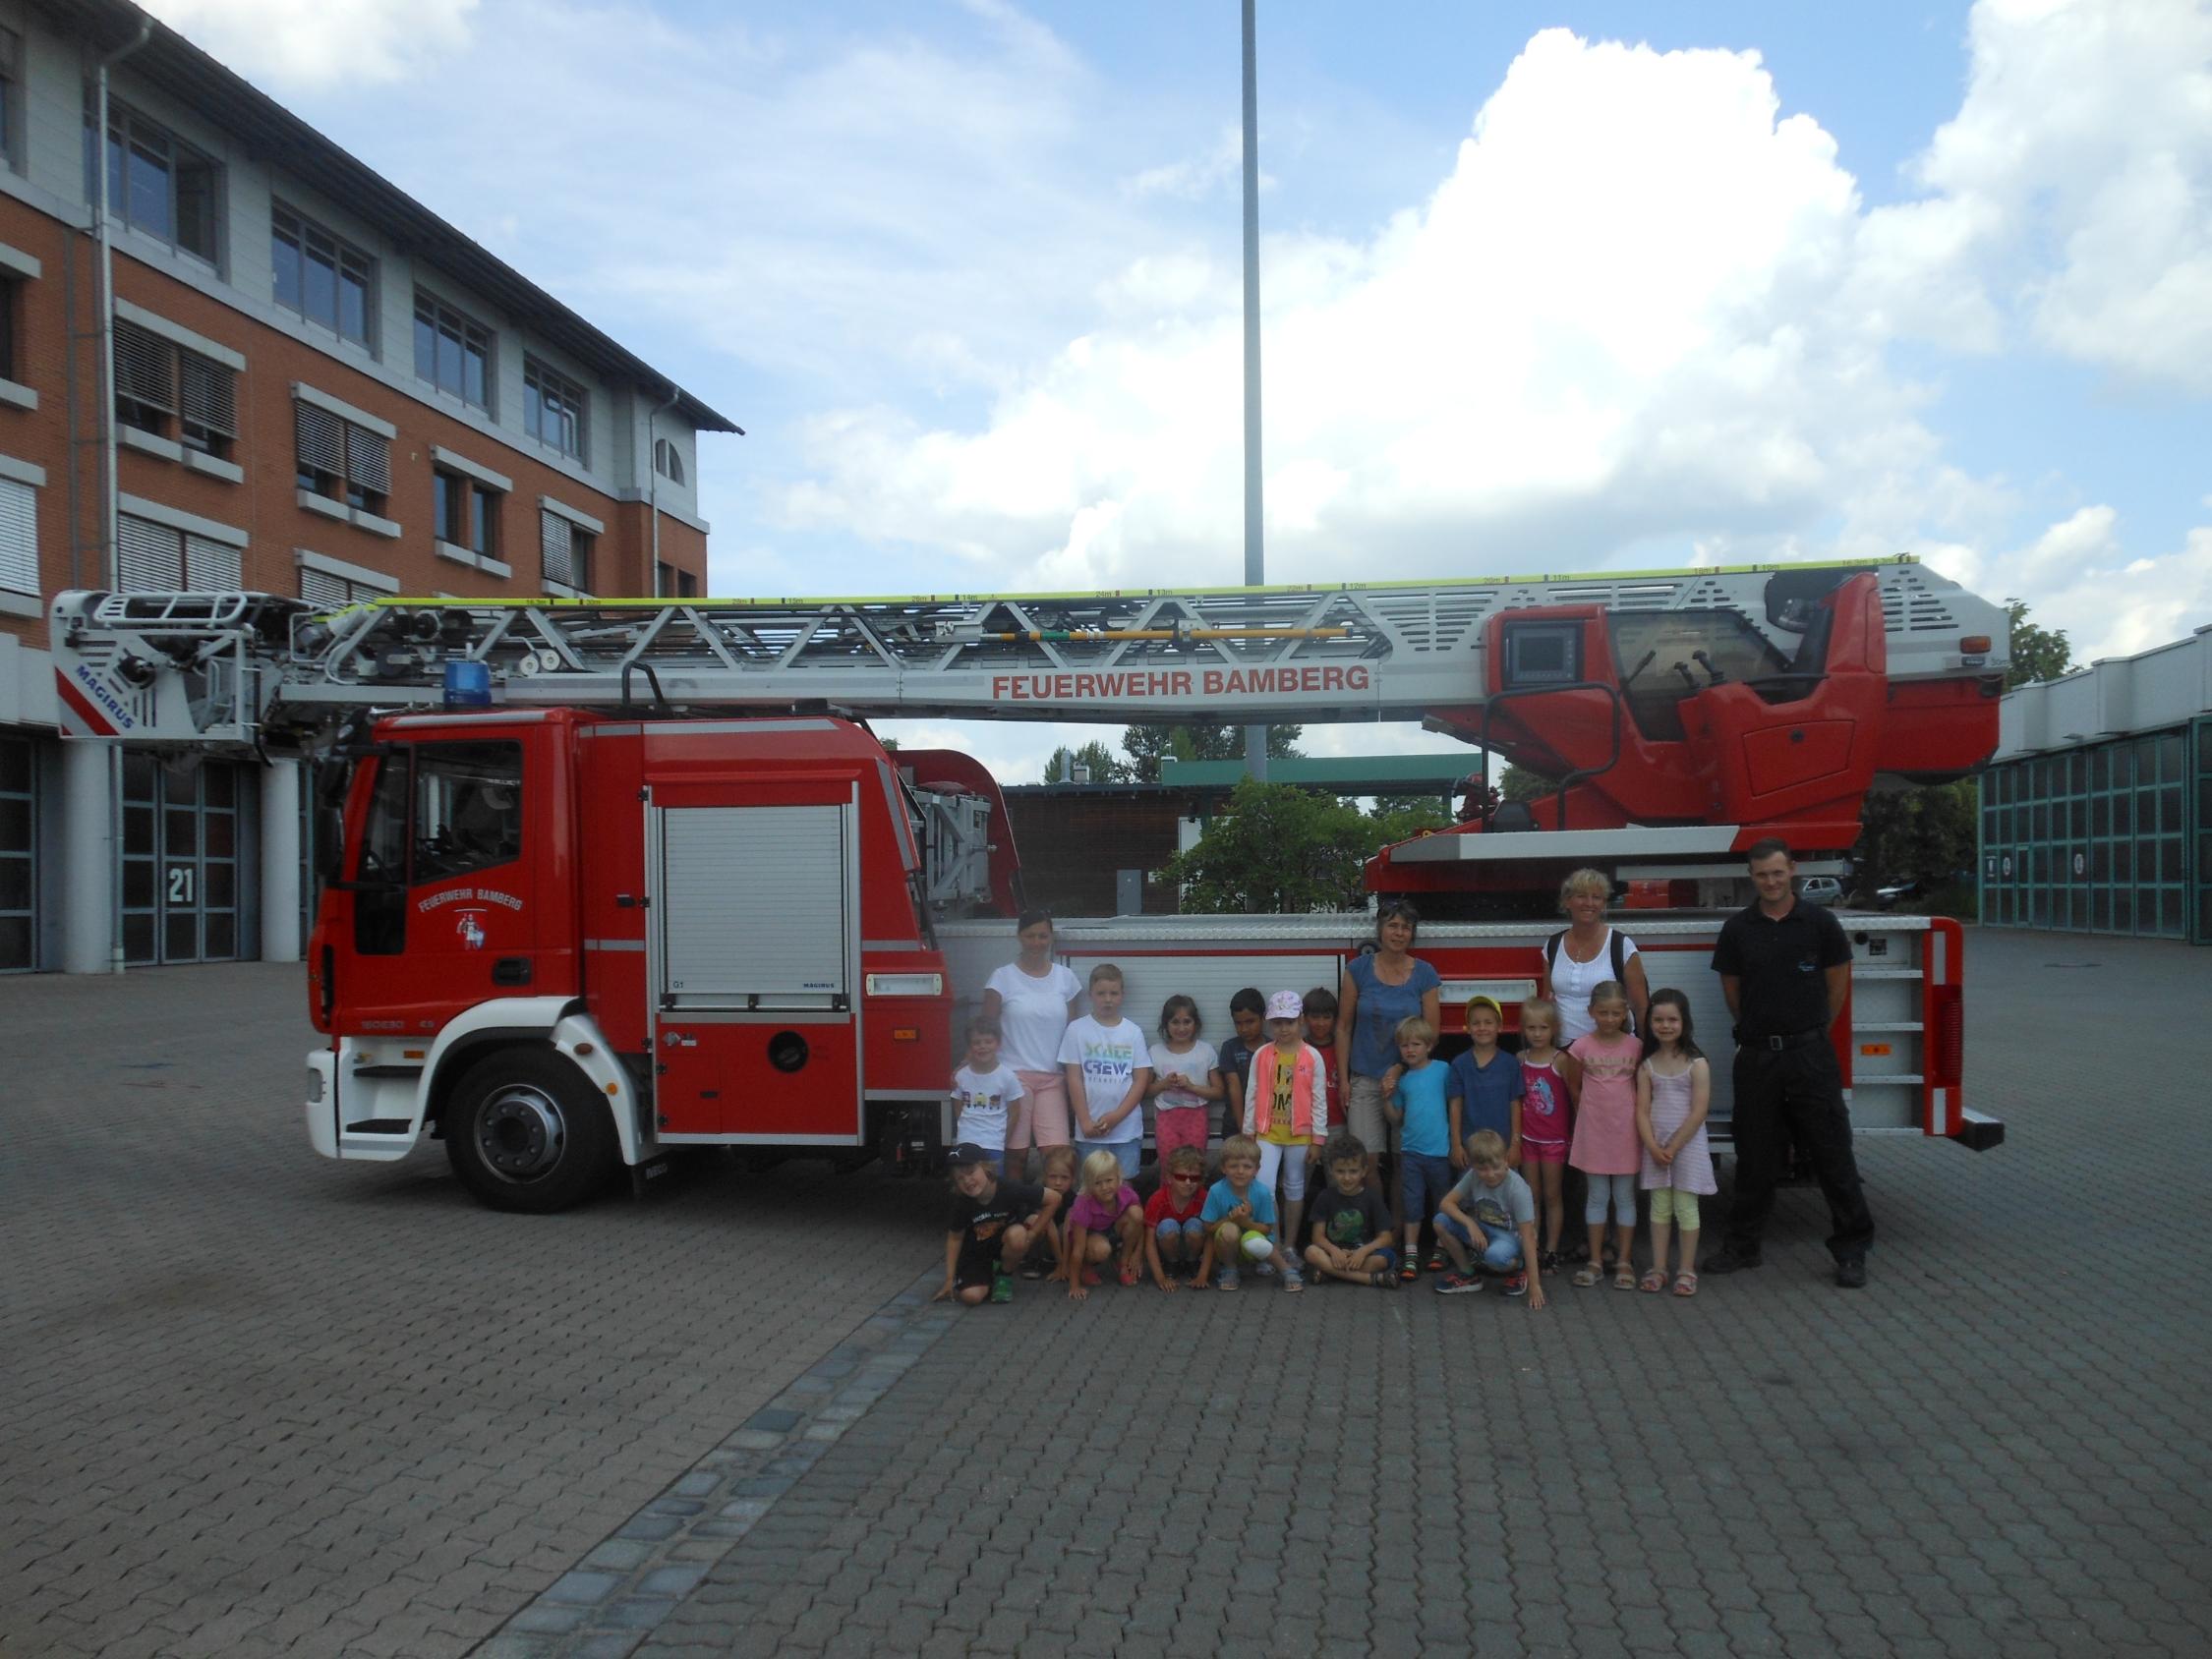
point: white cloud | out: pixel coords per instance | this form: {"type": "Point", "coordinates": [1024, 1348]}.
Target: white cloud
{"type": "Point", "coordinates": [2073, 188]}
{"type": "Point", "coordinates": [1633, 312]}
{"type": "Point", "coordinates": [2078, 577]}
{"type": "Point", "coordinates": [292, 44]}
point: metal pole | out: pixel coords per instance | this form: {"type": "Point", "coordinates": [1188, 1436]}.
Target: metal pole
{"type": "Point", "coordinates": [1255, 557]}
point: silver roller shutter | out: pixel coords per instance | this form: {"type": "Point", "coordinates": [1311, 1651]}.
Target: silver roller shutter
{"type": "Point", "coordinates": [321, 438]}
{"type": "Point", "coordinates": [556, 538]}
{"type": "Point", "coordinates": [211, 564]}
{"type": "Point", "coordinates": [151, 556]}
{"type": "Point", "coordinates": [752, 906]}
{"type": "Point", "coordinates": [323, 590]}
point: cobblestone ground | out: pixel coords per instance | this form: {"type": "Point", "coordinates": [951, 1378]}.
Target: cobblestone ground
{"type": "Point", "coordinates": [250, 1399]}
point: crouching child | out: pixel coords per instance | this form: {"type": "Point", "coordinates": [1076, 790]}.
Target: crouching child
{"type": "Point", "coordinates": [989, 1227]}
{"type": "Point", "coordinates": [1239, 1216]}
{"type": "Point", "coordinates": [1106, 1219]}
{"type": "Point", "coordinates": [1351, 1240]}
{"type": "Point", "coordinates": [1487, 1225]}
{"type": "Point", "coordinates": [1175, 1231]}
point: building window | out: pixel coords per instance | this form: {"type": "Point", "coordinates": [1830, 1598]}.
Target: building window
{"type": "Point", "coordinates": [323, 278]}
{"type": "Point", "coordinates": [19, 536]}
{"type": "Point", "coordinates": [452, 353]}
{"type": "Point", "coordinates": [553, 408]}
{"type": "Point", "coordinates": [19, 854]}
{"type": "Point", "coordinates": [668, 461]}
{"type": "Point", "coordinates": [11, 97]}
{"type": "Point", "coordinates": [466, 512]}
{"type": "Point", "coordinates": [677, 584]}
{"type": "Point", "coordinates": [156, 183]}
{"type": "Point", "coordinates": [159, 559]}
{"type": "Point", "coordinates": [172, 391]}
{"type": "Point", "coordinates": [328, 593]}
{"type": "Point", "coordinates": [566, 547]}
{"type": "Point", "coordinates": [343, 461]}
{"type": "Point", "coordinates": [11, 308]}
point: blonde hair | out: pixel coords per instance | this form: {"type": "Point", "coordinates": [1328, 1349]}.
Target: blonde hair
{"type": "Point", "coordinates": [1106, 971]}
{"type": "Point", "coordinates": [1608, 991]}
{"type": "Point", "coordinates": [1098, 1166]}
{"type": "Point", "coordinates": [1585, 881]}
{"type": "Point", "coordinates": [1413, 1026]}
{"type": "Point", "coordinates": [1187, 1157]}
{"type": "Point", "coordinates": [1486, 1148]}
{"type": "Point", "coordinates": [1544, 1005]}
{"type": "Point", "coordinates": [1060, 1157]}
{"type": "Point", "coordinates": [1240, 1146]}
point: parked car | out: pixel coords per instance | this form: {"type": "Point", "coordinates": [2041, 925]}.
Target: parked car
{"type": "Point", "coordinates": [1820, 889]}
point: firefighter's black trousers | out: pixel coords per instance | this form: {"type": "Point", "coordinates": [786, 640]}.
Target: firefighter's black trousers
{"type": "Point", "coordinates": [1796, 1095]}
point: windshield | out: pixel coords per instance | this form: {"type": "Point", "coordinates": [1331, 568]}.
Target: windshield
{"type": "Point", "coordinates": [1657, 654]}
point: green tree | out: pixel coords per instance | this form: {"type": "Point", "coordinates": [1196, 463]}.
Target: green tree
{"type": "Point", "coordinates": [1146, 746]}
{"type": "Point", "coordinates": [1105, 766]}
{"type": "Point", "coordinates": [1521, 785]}
{"type": "Point", "coordinates": [1278, 847]}
{"type": "Point", "coordinates": [2038, 654]}
{"type": "Point", "coordinates": [1399, 818]}
{"type": "Point", "coordinates": [1922, 832]}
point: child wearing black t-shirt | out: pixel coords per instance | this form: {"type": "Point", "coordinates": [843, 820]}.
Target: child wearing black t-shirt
{"type": "Point", "coordinates": [1349, 1224]}
{"type": "Point", "coordinates": [988, 1228]}
{"type": "Point", "coordinates": [1246, 1010]}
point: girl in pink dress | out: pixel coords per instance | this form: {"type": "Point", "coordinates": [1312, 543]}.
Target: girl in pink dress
{"type": "Point", "coordinates": [1605, 1145]}
{"type": "Point", "coordinates": [1673, 1090]}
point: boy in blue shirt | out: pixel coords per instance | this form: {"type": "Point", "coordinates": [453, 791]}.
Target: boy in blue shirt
{"type": "Point", "coordinates": [1414, 1100]}
{"type": "Point", "coordinates": [1239, 1216]}
{"type": "Point", "coordinates": [1485, 1086]}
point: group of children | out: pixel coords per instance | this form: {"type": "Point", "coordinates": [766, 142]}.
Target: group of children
{"type": "Point", "coordinates": [1483, 1145]}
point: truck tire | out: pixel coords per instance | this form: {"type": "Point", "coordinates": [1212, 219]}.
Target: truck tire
{"type": "Point", "coordinates": [525, 1132]}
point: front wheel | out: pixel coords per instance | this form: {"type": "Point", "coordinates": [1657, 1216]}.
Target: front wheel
{"type": "Point", "coordinates": [525, 1132]}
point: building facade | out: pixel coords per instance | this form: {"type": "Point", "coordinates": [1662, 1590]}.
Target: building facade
{"type": "Point", "coordinates": [2097, 806]}
{"type": "Point", "coordinates": [311, 386]}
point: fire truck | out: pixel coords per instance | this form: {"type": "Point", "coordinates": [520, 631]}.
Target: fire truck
{"type": "Point", "coordinates": [600, 880]}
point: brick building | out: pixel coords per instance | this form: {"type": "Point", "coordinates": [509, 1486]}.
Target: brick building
{"type": "Point", "coordinates": [319, 387]}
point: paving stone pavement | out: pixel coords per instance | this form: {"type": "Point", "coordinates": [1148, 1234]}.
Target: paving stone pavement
{"type": "Point", "coordinates": [1999, 1448]}
{"type": "Point", "coordinates": [230, 1394]}
{"type": "Point", "coordinates": [255, 1401]}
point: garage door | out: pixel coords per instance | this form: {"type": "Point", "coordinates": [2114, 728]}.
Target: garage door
{"type": "Point", "coordinates": [182, 877]}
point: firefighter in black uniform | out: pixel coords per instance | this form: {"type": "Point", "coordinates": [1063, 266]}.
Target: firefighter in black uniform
{"type": "Point", "coordinates": [1785, 968]}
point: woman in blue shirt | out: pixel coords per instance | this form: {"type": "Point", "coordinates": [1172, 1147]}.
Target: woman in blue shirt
{"type": "Point", "coordinates": [1379, 991]}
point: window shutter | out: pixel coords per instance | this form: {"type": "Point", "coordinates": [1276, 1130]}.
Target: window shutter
{"type": "Point", "coordinates": [556, 542]}
{"type": "Point", "coordinates": [323, 590]}
{"type": "Point", "coordinates": [368, 459]}
{"type": "Point", "coordinates": [151, 556]}
{"type": "Point", "coordinates": [144, 367]}
{"type": "Point", "coordinates": [209, 395]}
{"type": "Point", "coordinates": [19, 536]}
{"type": "Point", "coordinates": [211, 564]}
{"type": "Point", "coordinates": [322, 439]}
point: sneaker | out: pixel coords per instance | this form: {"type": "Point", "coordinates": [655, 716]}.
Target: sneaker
{"type": "Point", "coordinates": [1225, 1279]}
{"type": "Point", "coordinates": [1457, 1284]}
{"type": "Point", "coordinates": [1002, 1289]}
{"type": "Point", "coordinates": [1850, 1272]}
{"type": "Point", "coordinates": [1517, 1283]}
{"type": "Point", "coordinates": [1031, 1267]}
{"type": "Point", "coordinates": [1732, 1260]}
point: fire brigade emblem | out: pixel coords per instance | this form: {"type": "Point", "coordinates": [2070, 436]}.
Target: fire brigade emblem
{"type": "Point", "coordinates": [469, 924]}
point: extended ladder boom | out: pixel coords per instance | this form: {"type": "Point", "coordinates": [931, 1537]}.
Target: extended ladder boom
{"type": "Point", "coordinates": [252, 670]}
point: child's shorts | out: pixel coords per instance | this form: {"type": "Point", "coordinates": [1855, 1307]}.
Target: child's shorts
{"type": "Point", "coordinates": [1422, 1181]}
{"type": "Point", "coordinates": [1542, 1152]}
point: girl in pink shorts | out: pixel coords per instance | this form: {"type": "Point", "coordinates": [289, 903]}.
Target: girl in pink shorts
{"type": "Point", "coordinates": [1186, 1080]}
{"type": "Point", "coordinates": [1547, 1104]}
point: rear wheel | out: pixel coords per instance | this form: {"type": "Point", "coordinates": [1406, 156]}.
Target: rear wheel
{"type": "Point", "coordinates": [524, 1131]}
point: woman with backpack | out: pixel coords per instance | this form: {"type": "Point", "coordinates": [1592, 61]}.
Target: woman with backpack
{"type": "Point", "coordinates": [1589, 952]}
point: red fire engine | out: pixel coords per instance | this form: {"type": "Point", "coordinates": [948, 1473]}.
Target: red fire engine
{"type": "Point", "coordinates": [566, 924]}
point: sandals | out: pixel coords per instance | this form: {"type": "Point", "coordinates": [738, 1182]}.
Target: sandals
{"type": "Point", "coordinates": [1383, 1278]}
{"type": "Point", "coordinates": [1624, 1277]}
{"type": "Point", "coordinates": [1685, 1284]}
{"type": "Point", "coordinates": [1408, 1272]}
{"type": "Point", "coordinates": [1128, 1273]}
{"type": "Point", "coordinates": [1588, 1275]}
{"type": "Point", "coordinates": [1655, 1281]}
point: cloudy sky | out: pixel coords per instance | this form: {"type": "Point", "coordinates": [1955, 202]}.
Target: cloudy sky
{"type": "Point", "coordinates": [1591, 285]}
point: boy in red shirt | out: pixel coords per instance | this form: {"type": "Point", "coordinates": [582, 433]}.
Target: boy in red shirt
{"type": "Point", "coordinates": [1173, 1235]}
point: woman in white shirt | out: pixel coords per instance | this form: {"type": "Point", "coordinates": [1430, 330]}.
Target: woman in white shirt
{"type": "Point", "coordinates": [1034, 998]}
{"type": "Point", "coordinates": [1579, 960]}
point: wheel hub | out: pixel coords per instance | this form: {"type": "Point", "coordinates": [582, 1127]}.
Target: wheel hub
{"type": "Point", "coordinates": [520, 1132]}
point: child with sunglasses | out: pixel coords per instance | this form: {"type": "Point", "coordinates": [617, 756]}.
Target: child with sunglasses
{"type": "Point", "coordinates": [1175, 1232]}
